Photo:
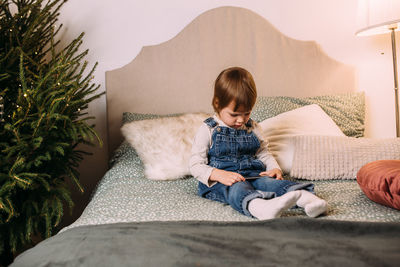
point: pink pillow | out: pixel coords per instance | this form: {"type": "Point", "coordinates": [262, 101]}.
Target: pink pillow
{"type": "Point", "coordinates": [380, 181]}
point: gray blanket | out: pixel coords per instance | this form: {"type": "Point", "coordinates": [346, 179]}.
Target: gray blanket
{"type": "Point", "coordinates": [278, 242]}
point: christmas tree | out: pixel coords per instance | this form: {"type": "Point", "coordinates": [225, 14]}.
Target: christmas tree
{"type": "Point", "coordinates": [44, 92]}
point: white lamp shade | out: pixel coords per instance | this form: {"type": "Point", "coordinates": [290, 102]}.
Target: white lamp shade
{"type": "Point", "coordinates": [377, 16]}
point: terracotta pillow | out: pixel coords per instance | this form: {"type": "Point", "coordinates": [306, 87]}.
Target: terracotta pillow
{"type": "Point", "coordinates": [380, 181]}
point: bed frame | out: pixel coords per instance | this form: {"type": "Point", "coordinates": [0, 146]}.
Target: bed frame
{"type": "Point", "coordinates": [177, 75]}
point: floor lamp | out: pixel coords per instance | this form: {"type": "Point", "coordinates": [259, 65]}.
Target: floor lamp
{"type": "Point", "coordinates": [379, 17]}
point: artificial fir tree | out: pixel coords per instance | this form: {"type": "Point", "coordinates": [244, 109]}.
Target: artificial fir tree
{"type": "Point", "coordinates": [44, 92]}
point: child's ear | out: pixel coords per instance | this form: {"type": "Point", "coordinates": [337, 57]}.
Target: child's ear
{"type": "Point", "coordinates": [216, 103]}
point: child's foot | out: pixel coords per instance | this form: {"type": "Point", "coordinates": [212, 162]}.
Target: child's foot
{"type": "Point", "coordinates": [264, 209]}
{"type": "Point", "coordinates": [316, 208]}
{"type": "Point", "coordinates": [313, 205]}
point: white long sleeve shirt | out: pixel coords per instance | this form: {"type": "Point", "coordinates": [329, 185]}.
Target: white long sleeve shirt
{"type": "Point", "coordinates": [202, 143]}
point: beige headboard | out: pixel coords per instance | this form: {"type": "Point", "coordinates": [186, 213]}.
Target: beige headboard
{"type": "Point", "coordinates": [177, 75]}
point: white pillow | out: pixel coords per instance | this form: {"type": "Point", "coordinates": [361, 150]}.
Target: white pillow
{"type": "Point", "coordinates": [164, 144]}
{"type": "Point", "coordinates": [334, 157]}
{"type": "Point", "coordinates": [280, 130]}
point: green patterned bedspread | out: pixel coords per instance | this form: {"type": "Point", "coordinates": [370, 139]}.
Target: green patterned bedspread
{"type": "Point", "coordinates": [125, 195]}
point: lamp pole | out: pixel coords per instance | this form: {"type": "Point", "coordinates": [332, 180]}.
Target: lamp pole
{"type": "Point", "coordinates": [396, 83]}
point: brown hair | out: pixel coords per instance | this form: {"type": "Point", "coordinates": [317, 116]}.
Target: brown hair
{"type": "Point", "coordinates": [234, 84]}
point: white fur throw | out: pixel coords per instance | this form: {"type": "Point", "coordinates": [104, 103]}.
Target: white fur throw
{"type": "Point", "coordinates": [334, 157]}
{"type": "Point", "coordinates": [164, 144]}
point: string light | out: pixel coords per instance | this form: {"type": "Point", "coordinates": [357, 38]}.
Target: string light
{"type": "Point", "coordinates": [1, 109]}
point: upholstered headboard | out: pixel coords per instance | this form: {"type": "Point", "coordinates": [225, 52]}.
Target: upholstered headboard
{"type": "Point", "coordinates": [177, 76]}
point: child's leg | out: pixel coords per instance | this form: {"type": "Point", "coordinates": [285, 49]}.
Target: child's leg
{"type": "Point", "coordinates": [280, 187]}
{"type": "Point", "coordinates": [237, 196]}
{"type": "Point", "coordinates": [313, 205]}
{"type": "Point", "coordinates": [264, 209]}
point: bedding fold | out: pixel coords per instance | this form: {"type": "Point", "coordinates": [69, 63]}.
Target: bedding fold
{"type": "Point", "coordinates": [277, 242]}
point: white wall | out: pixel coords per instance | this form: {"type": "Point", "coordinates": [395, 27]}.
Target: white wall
{"type": "Point", "coordinates": [117, 30]}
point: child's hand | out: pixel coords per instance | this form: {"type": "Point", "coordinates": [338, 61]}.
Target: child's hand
{"type": "Point", "coordinates": [226, 177]}
{"type": "Point", "coordinates": [273, 173]}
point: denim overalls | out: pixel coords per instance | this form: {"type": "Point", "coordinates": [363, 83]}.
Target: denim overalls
{"type": "Point", "coordinates": [235, 150]}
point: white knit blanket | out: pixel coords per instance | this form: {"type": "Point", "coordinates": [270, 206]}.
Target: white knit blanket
{"type": "Point", "coordinates": [337, 157]}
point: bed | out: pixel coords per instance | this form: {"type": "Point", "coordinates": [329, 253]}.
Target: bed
{"type": "Point", "coordinates": [145, 210]}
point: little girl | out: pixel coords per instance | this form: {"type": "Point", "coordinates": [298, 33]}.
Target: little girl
{"type": "Point", "coordinates": [231, 160]}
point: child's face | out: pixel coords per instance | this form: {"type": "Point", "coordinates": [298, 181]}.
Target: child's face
{"type": "Point", "coordinates": [234, 119]}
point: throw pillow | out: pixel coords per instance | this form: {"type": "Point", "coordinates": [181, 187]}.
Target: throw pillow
{"type": "Point", "coordinates": [280, 130]}
{"type": "Point", "coordinates": [335, 157]}
{"type": "Point", "coordinates": [380, 181]}
{"type": "Point", "coordinates": [346, 110]}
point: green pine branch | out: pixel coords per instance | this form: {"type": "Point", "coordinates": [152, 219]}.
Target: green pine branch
{"type": "Point", "coordinates": [46, 91]}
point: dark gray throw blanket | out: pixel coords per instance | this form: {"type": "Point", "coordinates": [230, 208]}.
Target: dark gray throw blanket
{"type": "Point", "coordinates": [279, 242]}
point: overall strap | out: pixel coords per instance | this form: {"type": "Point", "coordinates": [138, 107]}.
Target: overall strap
{"type": "Point", "coordinates": [211, 122]}
{"type": "Point", "coordinates": [249, 123]}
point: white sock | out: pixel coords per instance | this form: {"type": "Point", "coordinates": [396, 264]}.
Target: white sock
{"type": "Point", "coordinates": [264, 209]}
{"type": "Point", "coordinates": [313, 205]}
